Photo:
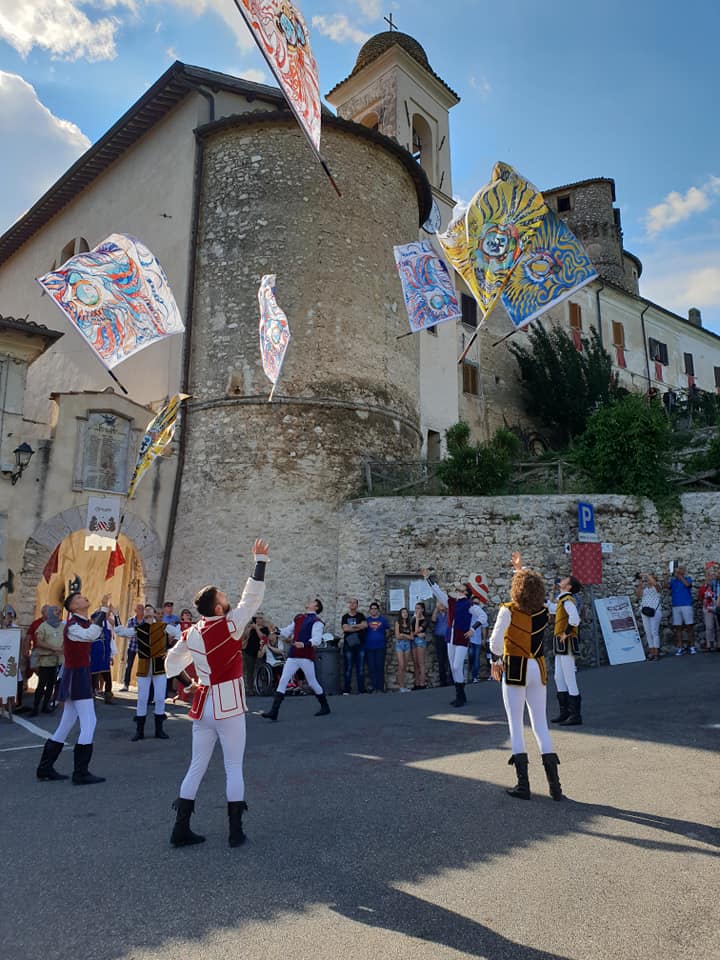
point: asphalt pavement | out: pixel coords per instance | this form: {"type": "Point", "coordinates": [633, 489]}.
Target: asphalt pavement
{"type": "Point", "coordinates": [382, 831]}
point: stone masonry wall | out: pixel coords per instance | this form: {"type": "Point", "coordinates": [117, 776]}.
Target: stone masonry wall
{"type": "Point", "coordinates": [461, 536]}
{"type": "Point", "coordinates": [348, 389]}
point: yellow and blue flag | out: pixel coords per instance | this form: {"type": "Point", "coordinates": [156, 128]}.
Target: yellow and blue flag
{"type": "Point", "coordinates": [550, 270]}
{"type": "Point", "coordinates": [158, 434]}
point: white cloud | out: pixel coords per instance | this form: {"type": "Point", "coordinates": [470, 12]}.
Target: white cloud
{"type": "Point", "coordinates": [253, 75]}
{"type": "Point", "coordinates": [68, 32]}
{"type": "Point", "coordinates": [339, 28]}
{"type": "Point", "coordinates": [370, 9]}
{"type": "Point", "coordinates": [482, 85]}
{"type": "Point", "coordinates": [171, 53]}
{"type": "Point", "coordinates": [41, 148]}
{"type": "Point", "coordinates": [58, 26]}
{"type": "Point", "coordinates": [677, 207]}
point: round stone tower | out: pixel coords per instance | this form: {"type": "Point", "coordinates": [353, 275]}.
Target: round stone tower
{"type": "Point", "coordinates": [348, 390]}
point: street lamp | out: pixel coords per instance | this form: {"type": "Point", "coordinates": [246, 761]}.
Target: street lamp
{"type": "Point", "coordinates": [23, 455]}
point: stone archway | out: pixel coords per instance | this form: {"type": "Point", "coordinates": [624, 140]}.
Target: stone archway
{"type": "Point", "coordinates": [55, 529]}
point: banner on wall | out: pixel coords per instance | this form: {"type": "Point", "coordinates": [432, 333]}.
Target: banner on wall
{"type": "Point", "coordinates": [619, 630]}
{"type": "Point", "coordinates": [9, 662]}
{"type": "Point", "coordinates": [103, 523]}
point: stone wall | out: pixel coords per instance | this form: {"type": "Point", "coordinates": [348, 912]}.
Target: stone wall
{"type": "Point", "coordinates": [349, 389]}
{"type": "Point", "coordinates": [460, 536]}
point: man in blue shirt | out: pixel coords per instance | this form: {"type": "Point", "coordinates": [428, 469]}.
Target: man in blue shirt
{"type": "Point", "coordinates": [378, 627]}
{"type": "Point", "coordinates": [682, 611]}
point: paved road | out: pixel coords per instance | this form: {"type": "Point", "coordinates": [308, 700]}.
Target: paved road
{"type": "Point", "coordinates": [383, 831]}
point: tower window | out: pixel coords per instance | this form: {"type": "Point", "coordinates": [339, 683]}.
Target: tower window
{"type": "Point", "coordinates": [471, 379]}
{"type": "Point", "coordinates": [469, 310]}
{"type": "Point", "coordinates": [422, 144]}
{"type": "Point", "coordinates": [564, 204]}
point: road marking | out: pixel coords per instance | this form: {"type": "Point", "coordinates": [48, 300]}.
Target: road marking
{"type": "Point", "coordinates": [31, 727]}
{"type": "Point", "coordinates": [32, 746]}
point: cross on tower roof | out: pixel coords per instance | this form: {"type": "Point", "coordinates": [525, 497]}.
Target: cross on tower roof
{"type": "Point", "coordinates": [389, 20]}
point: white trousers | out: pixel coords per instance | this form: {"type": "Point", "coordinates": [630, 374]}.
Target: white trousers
{"type": "Point", "coordinates": [159, 682]}
{"type": "Point", "coordinates": [291, 668]}
{"type": "Point", "coordinates": [711, 629]}
{"type": "Point", "coordinates": [205, 732]}
{"type": "Point", "coordinates": [82, 710]}
{"type": "Point", "coordinates": [651, 625]}
{"type": "Point", "coordinates": [565, 671]}
{"type": "Point", "coordinates": [457, 656]}
{"type": "Point", "coordinates": [534, 693]}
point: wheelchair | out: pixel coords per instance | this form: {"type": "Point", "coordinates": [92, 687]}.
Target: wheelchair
{"type": "Point", "coordinates": [267, 677]}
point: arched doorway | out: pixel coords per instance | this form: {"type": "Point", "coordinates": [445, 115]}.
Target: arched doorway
{"type": "Point", "coordinates": [137, 579]}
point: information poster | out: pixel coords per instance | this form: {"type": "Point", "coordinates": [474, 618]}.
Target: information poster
{"type": "Point", "coordinates": [619, 630]}
{"type": "Point", "coordinates": [9, 662]}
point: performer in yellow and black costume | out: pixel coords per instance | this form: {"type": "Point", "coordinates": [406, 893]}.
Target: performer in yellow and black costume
{"type": "Point", "coordinates": [517, 643]}
{"type": "Point", "coordinates": [566, 647]}
{"type": "Point", "coordinates": [152, 646]}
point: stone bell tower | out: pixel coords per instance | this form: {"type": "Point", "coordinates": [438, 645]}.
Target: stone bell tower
{"type": "Point", "coordinates": [394, 90]}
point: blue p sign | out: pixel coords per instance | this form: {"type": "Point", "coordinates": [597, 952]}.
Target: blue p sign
{"type": "Point", "coordinates": [586, 518]}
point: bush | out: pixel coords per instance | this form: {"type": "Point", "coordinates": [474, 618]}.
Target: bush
{"type": "Point", "coordinates": [562, 385]}
{"type": "Point", "coordinates": [626, 448]}
{"type": "Point", "coordinates": [477, 469]}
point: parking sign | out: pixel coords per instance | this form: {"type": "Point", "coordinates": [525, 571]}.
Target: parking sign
{"type": "Point", "coordinates": [586, 523]}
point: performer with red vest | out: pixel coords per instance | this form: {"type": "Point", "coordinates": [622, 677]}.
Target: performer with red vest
{"type": "Point", "coordinates": [214, 645]}
{"type": "Point", "coordinates": [76, 691]}
{"type": "Point", "coordinates": [465, 615]}
{"type": "Point", "coordinates": [306, 631]}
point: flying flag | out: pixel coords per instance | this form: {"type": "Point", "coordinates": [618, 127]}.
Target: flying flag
{"type": "Point", "coordinates": [552, 268]}
{"type": "Point", "coordinates": [280, 31]}
{"type": "Point", "coordinates": [52, 566]}
{"type": "Point", "coordinates": [427, 286]}
{"type": "Point", "coordinates": [115, 560]}
{"type": "Point", "coordinates": [274, 330]}
{"type": "Point", "coordinates": [498, 224]}
{"type": "Point", "coordinates": [158, 434]}
{"type": "Point", "coordinates": [117, 297]}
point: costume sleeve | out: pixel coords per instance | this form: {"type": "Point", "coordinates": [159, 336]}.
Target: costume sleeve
{"type": "Point", "coordinates": [572, 612]}
{"type": "Point", "coordinates": [288, 631]}
{"type": "Point", "coordinates": [128, 631]}
{"type": "Point", "coordinates": [87, 634]}
{"type": "Point", "coordinates": [438, 592]}
{"type": "Point", "coordinates": [497, 637]}
{"type": "Point", "coordinates": [317, 633]}
{"type": "Point", "coordinates": [552, 607]}
{"type": "Point", "coordinates": [173, 630]}
{"type": "Point", "coordinates": [250, 602]}
{"type": "Point", "coordinates": [178, 657]}
{"type": "Point", "coordinates": [478, 616]}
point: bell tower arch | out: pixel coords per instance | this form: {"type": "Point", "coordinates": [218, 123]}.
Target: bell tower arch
{"type": "Point", "coordinates": [394, 90]}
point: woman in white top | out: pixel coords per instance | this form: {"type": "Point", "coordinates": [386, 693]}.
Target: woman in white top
{"type": "Point", "coordinates": [647, 590]}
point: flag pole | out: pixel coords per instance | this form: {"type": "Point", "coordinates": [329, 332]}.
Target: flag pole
{"type": "Point", "coordinates": [506, 337]}
{"type": "Point", "coordinates": [117, 382]}
{"type": "Point", "coordinates": [272, 392]}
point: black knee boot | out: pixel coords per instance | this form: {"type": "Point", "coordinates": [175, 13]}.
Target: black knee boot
{"type": "Point", "coordinates": [272, 713]}
{"type": "Point", "coordinates": [324, 705]}
{"type": "Point", "coordinates": [81, 775]}
{"type": "Point", "coordinates": [522, 788]}
{"type": "Point", "coordinates": [159, 732]}
{"type": "Point", "coordinates": [574, 718]}
{"type": "Point", "coordinates": [51, 752]}
{"type": "Point", "coordinates": [551, 761]}
{"type": "Point", "coordinates": [139, 729]}
{"type": "Point", "coordinates": [563, 700]}
{"type": "Point", "coordinates": [182, 835]}
{"type": "Point", "coordinates": [236, 808]}
{"type": "Point", "coordinates": [460, 698]}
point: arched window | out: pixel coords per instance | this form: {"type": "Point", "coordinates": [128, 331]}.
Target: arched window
{"type": "Point", "coordinates": [371, 120]}
{"type": "Point", "coordinates": [422, 144]}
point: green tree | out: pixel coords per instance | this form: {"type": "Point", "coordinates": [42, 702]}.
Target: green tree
{"type": "Point", "coordinates": [477, 469]}
{"type": "Point", "coordinates": [626, 448]}
{"type": "Point", "coordinates": [562, 385]}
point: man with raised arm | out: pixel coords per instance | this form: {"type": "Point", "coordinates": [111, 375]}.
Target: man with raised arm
{"type": "Point", "coordinates": [214, 646]}
{"type": "Point", "coordinates": [76, 691]}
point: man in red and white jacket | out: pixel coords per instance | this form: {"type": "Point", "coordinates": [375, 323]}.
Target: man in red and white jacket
{"type": "Point", "coordinates": [214, 645]}
{"type": "Point", "coordinates": [306, 631]}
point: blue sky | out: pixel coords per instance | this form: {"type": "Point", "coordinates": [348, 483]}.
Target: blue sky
{"type": "Point", "coordinates": [563, 91]}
